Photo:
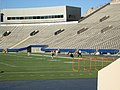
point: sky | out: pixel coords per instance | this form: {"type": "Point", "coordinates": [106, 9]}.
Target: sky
{"type": "Point", "coordinates": [84, 4]}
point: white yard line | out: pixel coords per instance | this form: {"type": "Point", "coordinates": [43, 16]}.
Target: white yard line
{"type": "Point", "coordinates": [57, 57]}
{"type": "Point", "coordinates": [70, 62]}
{"type": "Point", "coordinates": [32, 75]}
{"type": "Point", "coordinates": [42, 75]}
{"type": "Point", "coordinates": [28, 57]}
{"type": "Point", "coordinates": [81, 74]}
{"type": "Point", "coordinates": [21, 56]}
{"type": "Point", "coordinates": [70, 58]}
{"type": "Point", "coordinates": [7, 64]}
{"type": "Point", "coordinates": [21, 75]}
{"type": "Point", "coordinates": [50, 56]}
{"type": "Point", "coordinates": [53, 60]}
{"type": "Point", "coordinates": [36, 72]}
{"type": "Point", "coordinates": [52, 75]}
{"type": "Point", "coordinates": [72, 74]}
{"type": "Point", "coordinates": [62, 75]}
{"type": "Point", "coordinates": [90, 74]}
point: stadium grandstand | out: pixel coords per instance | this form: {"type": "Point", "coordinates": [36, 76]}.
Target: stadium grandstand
{"type": "Point", "coordinates": [97, 30]}
{"type": "Point", "coordinates": [95, 36]}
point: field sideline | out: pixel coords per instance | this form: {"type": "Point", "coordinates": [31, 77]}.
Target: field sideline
{"type": "Point", "coordinates": [19, 66]}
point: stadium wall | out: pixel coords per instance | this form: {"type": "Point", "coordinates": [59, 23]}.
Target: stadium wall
{"type": "Point", "coordinates": [109, 77]}
{"type": "Point", "coordinates": [111, 51]}
{"type": "Point", "coordinates": [44, 48]}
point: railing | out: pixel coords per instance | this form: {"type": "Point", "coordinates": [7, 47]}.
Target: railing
{"type": "Point", "coordinates": [82, 30]}
{"type": "Point", "coordinates": [34, 32]}
{"type": "Point", "coordinates": [106, 28]}
{"type": "Point", "coordinates": [58, 32]}
{"type": "Point", "coordinates": [104, 18]}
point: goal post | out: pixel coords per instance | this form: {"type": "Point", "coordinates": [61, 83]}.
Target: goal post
{"type": "Point", "coordinates": [89, 64]}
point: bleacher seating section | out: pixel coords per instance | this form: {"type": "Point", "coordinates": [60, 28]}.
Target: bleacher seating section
{"type": "Point", "coordinates": [101, 32]}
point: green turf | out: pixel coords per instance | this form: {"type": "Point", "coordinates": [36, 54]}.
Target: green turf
{"type": "Point", "coordinates": [19, 66]}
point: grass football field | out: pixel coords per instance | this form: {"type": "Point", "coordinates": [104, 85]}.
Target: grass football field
{"type": "Point", "coordinates": [19, 66]}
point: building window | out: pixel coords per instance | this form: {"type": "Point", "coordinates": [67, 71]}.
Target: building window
{"type": "Point", "coordinates": [9, 18]}
{"type": "Point", "coordinates": [42, 17]}
{"type": "Point", "coordinates": [1, 17]}
{"type": "Point", "coordinates": [30, 17]}
{"type": "Point", "coordinates": [46, 17]}
{"type": "Point", "coordinates": [72, 16]}
{"type": "Point", "coordinates": [56, 16]}
{"type": "Point", "coordinates": [53, 17]}
{"type": "Point", "coordinates": [35, 17]}
{"type": "Point", "coordinates": [26, 17]}
{"type": "Point", "coordinates": [13, 18]}
{"type": "Point", "coordinates": [50, 17]}
{"type": "Point", "coordinates": [21, 18]}
{"type": "Point", "coordinates": [61, 16]}
{"type": "Point", "coordinates": [17, 18]}
{"type": "Point", "coordinates": [38, 17]}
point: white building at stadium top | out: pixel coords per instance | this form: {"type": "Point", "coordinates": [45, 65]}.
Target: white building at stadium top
{"type": "Point", "coordinates": [46, 14]}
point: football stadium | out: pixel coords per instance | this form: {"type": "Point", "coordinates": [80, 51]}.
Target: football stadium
{"type": "Point", "coordinates": [58, 43]}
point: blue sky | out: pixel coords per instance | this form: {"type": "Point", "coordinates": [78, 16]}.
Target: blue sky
{"type": "Point", "coordinates": [84, 4]}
